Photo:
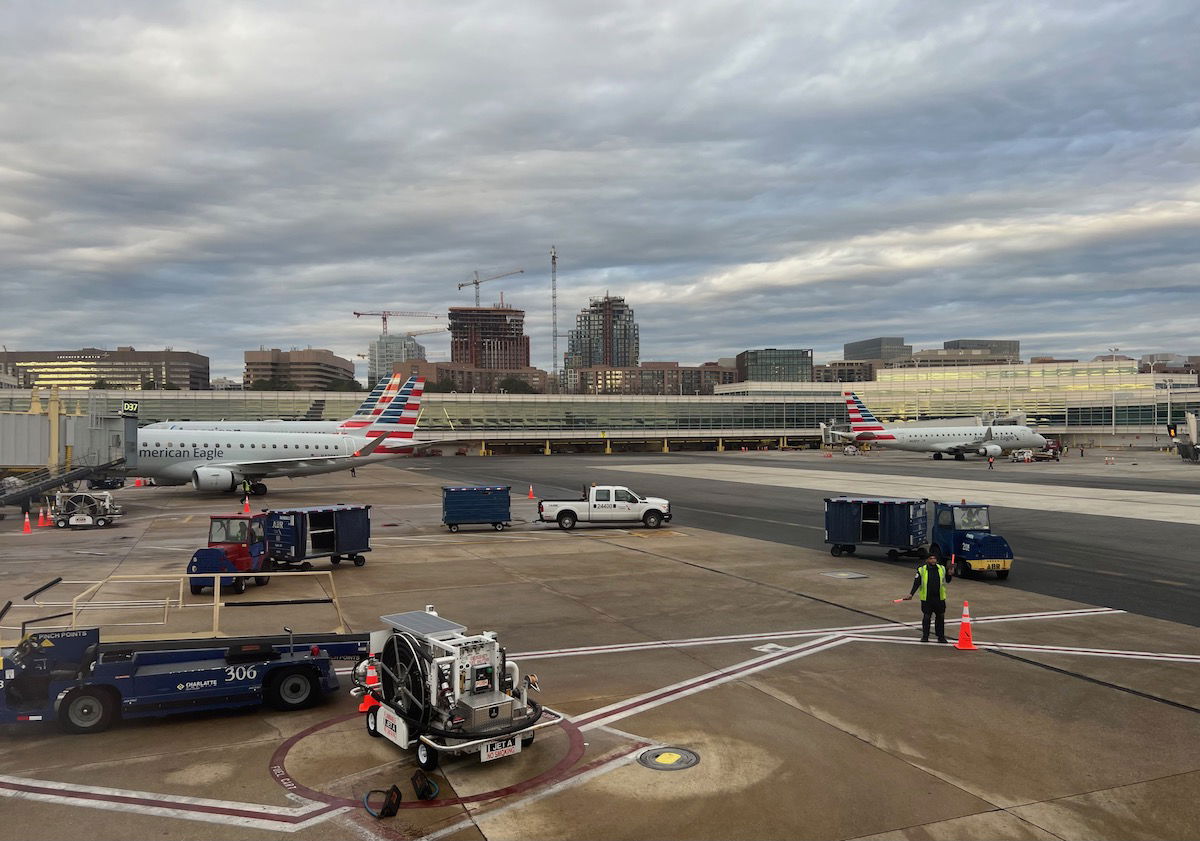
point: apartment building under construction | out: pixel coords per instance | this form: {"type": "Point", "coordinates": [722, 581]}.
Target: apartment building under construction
{"type": "Point", "coordinates": [489, 337]}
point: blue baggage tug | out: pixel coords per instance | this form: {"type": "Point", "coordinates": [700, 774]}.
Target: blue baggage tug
{"type": "Point", "coordinates": [960, 535]}
{"type": "Point", "coordinates": [84, 685]}
{"type": "Point", "coordinates": [853, 521]}
{"type": "Point", "coordinates": [489, 505]}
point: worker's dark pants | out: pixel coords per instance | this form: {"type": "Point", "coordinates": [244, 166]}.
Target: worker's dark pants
{"type": "Point", "coordinates": [934, 608]}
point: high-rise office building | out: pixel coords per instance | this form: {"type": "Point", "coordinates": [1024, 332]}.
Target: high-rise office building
{"type": "Point", "coordinates": [605, 335]}
{"type": "Point", "coordinates": [1010, 348]}
{"type": "Point", "coordinates": [312, 369]}
{"type": "Point", "coordinates": [792, 365]}
{"type": "Point", "coordinates": [886, 348]}
{"type": "Point", "coordinates": [388, 350]}
{"type": "Point", "coordinates": [489, 337]}
{"type": "Point", "coordinates": [124, 368]}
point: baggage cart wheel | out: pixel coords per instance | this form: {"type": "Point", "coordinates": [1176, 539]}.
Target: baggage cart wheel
{"type": "Point", "coordinates": [893, 555]}
{"type": "Point", "coordinates": [427, 757]}
{"type": "Point", "coordinates": [239, 585]}
{"type": "Point", "coordinates": [373, 722]}
{"type": "Point", "coordinates": [335, 559]}
{"type": "Point", "coordinates": [305, 567]}
{"type": "Point", "coordinates": [262, 580]}
{"type": "Point", "coordinates": [1003, 574]}
{"type": "Point", "coordinates": [835, 550]}
{"type": "Point", "coordinates": [453, 527]}
{"type": "Point", "coordinates": [197, 589]}
{"type": "Point", "coordinates": [849, 550]}
{"type": "Point", "coordinates": [87, 710]}
{"type": "Point", "coordinates": [359, 561]}
{"type": "Point", "coordinates": [498, 526]}
{"type": "Point", "coordinates": [102, 522]}
{"type": "Point", "coordinates": [526, 741]}
{"type": "Point", "coordinates": [292, 689]}
{"type": "Point", "coordinates": [61, 523]}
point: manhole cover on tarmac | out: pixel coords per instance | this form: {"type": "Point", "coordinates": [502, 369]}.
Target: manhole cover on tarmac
{"type": "Point", "coordinates": [845, 573]}
{"type": "Point", "coordinates": [668, 759]}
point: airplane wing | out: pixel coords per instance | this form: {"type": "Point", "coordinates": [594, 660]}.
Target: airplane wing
{"type": "Point", "coordinates": [273, 465]}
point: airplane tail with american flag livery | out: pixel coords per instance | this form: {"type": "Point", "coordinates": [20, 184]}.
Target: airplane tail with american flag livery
{"type": "Point", "coordinates": [864, 426]}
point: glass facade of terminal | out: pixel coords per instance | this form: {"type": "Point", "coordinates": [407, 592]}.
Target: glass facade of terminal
{"type": "Point", "coordinates": [1092, 398]}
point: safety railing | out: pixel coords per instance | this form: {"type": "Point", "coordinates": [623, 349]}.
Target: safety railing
{"type": "Point", "coordinates": [89, 601]}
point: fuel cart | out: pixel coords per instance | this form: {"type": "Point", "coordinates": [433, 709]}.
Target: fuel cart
{"type": "Point", "coordinates": [477, 505]}
{"type": "Point", "coordinates": [430, 687]}
{"type": "Point", "coordinates": [338, 532]}
{"type": "Point", "coordinates": [897, 524]}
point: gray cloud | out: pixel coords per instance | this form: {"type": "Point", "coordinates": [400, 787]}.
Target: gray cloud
{"type": "Point", "coordinates": [219, 176]}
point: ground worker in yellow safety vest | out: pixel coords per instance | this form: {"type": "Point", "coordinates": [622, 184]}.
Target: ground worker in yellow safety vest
{"type": "Point", "coordinates": [930, 584]}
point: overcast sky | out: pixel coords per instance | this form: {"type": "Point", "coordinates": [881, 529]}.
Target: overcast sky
{"type": "Point", "coordinates": [219, 176]}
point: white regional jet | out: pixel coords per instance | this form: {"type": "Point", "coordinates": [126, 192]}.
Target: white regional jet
{"type": "Point", "coordinates": [387, 390]}
{"type": "Point", "coordinates": [219, 460]}
{"type": "Point", "coordinates": [939, 440]}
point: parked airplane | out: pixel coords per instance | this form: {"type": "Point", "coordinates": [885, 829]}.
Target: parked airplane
{"type": "Point", "coordinates": [385, 392]}
{"type": "Point", "coordinates": [939, 440]}
{"type": "Point", "coordinates": [219, 460]}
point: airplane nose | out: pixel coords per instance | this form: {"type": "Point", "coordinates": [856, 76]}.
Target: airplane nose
{"type": "Point", "coordinates": [1041, 439]}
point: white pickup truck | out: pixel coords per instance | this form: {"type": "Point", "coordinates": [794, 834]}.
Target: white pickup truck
{"type": "Point", "coordinates": [605, 504]}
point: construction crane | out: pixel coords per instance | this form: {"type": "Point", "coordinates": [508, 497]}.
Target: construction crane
{"type": "Point", "coordinates": [384, 314]}
{"type": "Point", "coordinates": [426, 332]}
{"type": "Point", "coordinates": [476, 280]}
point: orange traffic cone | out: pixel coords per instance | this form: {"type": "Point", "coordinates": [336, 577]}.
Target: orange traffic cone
{"type": "Point", "coordinates": [26, 529]}
{"type": "Point", "coordinates": [368, 701]}
{"type": "Point", "coordinates": [531, 491]}
{"type": "Point", "coordinates": [245, 505]}
{"type": "Point", "coordinates": [964, 631]}
{"type": "Point", "coordinates": [137, 483]}
{"type": "Point", "coordinates": [42, 518]}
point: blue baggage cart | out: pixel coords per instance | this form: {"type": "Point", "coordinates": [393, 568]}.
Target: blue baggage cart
{"type": "Point", "coordinates": [476, 505]}
{"type": "Point", "coordinates": [338, 532]}
{"type": "Point", "coordinates": [853, 521]}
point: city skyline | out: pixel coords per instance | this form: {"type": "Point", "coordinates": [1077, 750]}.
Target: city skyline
{"type": "Point", "coordinates": [800, 174]}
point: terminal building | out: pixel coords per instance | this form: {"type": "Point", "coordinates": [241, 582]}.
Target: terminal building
{"type": "Point", "coordinates": [1100, 403]}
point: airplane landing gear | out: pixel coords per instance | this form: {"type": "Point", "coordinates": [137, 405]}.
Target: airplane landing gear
{"type": "Point", "coordinates": [258, 489]}
{"type": "Point", "coordinates": [937, 456]}
{"type": "Point", "coordinates": [960, 457]}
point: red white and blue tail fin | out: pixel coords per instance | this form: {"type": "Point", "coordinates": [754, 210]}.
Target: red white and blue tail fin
{"type": "Point", "coordinates": [397, 419]}
{"type": "Point", "coordinates": [389, 390]}
{"type": "Point", "coordinates": [861, 419]}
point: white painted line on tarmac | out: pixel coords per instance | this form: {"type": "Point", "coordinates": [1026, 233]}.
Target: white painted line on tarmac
{"type": "Point", "coordinates": [230, 813]}
{"type": "Point", "coordinates": [768, 636]}
{"type": "Point", "coordinates": [658, 697]}
{"type": "Point", "coordinates": [1155, 656]}
{"type": "Point", "coordinates": [1157, 506]}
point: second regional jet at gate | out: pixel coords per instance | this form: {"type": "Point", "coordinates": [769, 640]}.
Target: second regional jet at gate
{"type": "Point", "coordinates": [939, 440]}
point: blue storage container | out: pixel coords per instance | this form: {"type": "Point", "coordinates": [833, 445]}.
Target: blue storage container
{"type": "Point", "coordinates": [482, 505]}
{"type": "Point", "coordinates": [334, 531]}
{"type": "Point", "coordinates": [852, 521]}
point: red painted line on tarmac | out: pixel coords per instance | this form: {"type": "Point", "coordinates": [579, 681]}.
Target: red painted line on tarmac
{"type": "Point", "coordinates": [562, 770]}
{"type": "Point", "coordinates": [165, 804]}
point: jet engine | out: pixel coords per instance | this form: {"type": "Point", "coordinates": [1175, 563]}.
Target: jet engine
{"type": "Point", "coordinates": [990, 450]}
{"type": "Point", "coordinates": [213, 479]}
